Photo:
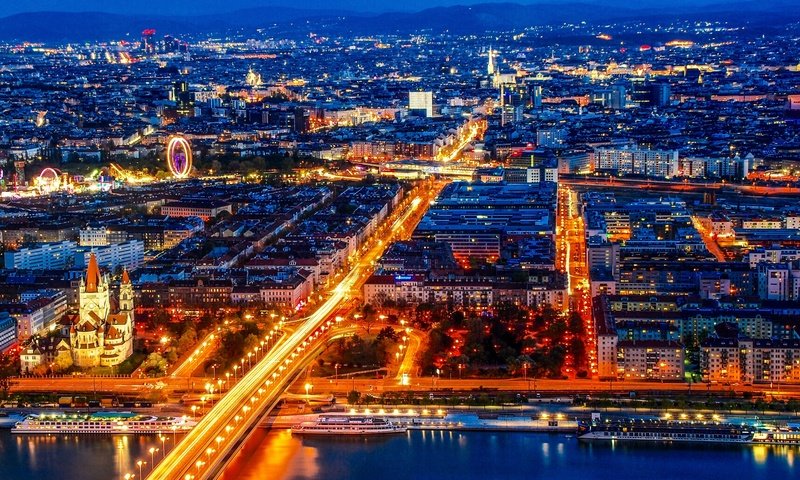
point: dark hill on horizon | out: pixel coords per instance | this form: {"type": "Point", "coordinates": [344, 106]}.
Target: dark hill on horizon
{"type": "Point", "coordinates": [92, 26]}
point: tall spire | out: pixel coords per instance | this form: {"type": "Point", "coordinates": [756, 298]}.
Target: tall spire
{"type": "Point", "coordinates": [92, 275]}
{"type": "Point", "coordinates": [490, 69]}
{"type": "Point", "coordinates": [125, 278]}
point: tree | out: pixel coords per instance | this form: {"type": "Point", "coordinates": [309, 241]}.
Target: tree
{"type": "Point", "coordinates": [388, 333]}
{"type": "Point", "coordinates": [187, 340]}
{"type": "Point", "coordinates": [575, 323]}
{"type": "Point", "coordinates": [250, 342]}
{"type": "Point", "coordinates": [353, 397]}
{"type": "Point", "coordinates": [155, 364]}
{"type": "Point", "coordinates": [8, 368]}
{"type": "Point", "coordinates": [369, 314]}
{"type": "Point", "coordinates": [63, 363]}
{"type": "Point", "coordinates": [160, 318]}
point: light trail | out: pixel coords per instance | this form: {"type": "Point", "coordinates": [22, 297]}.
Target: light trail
{"type": "Point", "coordinates": [206, 447]}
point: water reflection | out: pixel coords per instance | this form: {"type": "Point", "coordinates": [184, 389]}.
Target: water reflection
{"type": "Point", "coordinates": [88, 457]}
{"type": "Point", "coordinates": [277, 455]}
{"type": "Point", "coordinates": [477, 455]}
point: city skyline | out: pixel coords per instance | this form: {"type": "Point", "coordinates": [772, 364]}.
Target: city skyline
{"type": "Point", "coordinates": [509, 240]}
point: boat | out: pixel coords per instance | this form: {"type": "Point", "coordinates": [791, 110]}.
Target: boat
{"type": "Point", "coordinates": [8, 420]}
{"type": "Point", "coordinates": [112, 423]}
{"type": "Point", "coordinates": [779, 436]}
{"type": "Point", "coordinates": [348, 425]}
{"type": "Point", "coordinates": [666, 431]}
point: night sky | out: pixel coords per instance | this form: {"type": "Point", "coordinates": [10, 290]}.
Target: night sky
{"type": "Point", "coordinates": [173, 7]}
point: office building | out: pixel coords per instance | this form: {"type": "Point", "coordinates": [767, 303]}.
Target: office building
{"type": "Point", "coordinates": [421, 103]}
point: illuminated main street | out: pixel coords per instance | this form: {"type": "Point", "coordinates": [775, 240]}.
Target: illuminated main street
{"type": "Point", "coordinates": [571, 258]}
{"type": "Point", "coordinates": [708, 239]}
{"type": "Point", "coordinates": [475, 131]}
{"type": "Point", "coordinates": [203, 452]}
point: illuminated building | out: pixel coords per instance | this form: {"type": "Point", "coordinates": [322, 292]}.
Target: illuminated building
{"type": "Point", "coordinates": [128, 254]}
{"type": "Point", "coordinates": [38, 315]}
{"type": "Point", "coordinates": [650, 360]}
{"type": "Point", "coordinates": [778, 281]}
{"type": "Point", "coordinates": [199, 293]}
{"type": "Point", "coordinates": [750, 360]}
{"type": "Point", "coordinates": [183, 98]}
{"type": "Point", "coordinates": [513, 100]}
{"type": "Point", "coordinates": [253, 79]}
{"type": "Point", "coordinates": [45, 256]}
{"type": "Point", "coordinates": [635, 161]}
{"type": "Point", "coordinates": [421, 103]}
{"type": "Point", "coordinates": [413, 288]}
{"type": "Point", "coordinates": [652, 95]}
{"type": "Point", "coordinates": [98, 337]}
{"type": "Point", "coordinates": [203, 209]}
{"type": "Point", "coordinates": [8, 331]}
{"type": "Point", "coordinates": [476, 219]}
{"type": "Point", "coordinates": [148, 41]}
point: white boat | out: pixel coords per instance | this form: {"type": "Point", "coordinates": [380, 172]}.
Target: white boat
{"type": "Point", "coordinates": [112, 423]}
{"type": "Point", "coordinates": [348, 425]}
{"type": "Point", "coordinates": [8, 420]}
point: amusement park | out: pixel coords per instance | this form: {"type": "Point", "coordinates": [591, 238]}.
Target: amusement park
{"type": "Point", "coordinates": [177, 165]}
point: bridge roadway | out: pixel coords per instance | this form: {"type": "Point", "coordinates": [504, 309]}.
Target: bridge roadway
{"type": "Point", "coordinates": [202, 453]}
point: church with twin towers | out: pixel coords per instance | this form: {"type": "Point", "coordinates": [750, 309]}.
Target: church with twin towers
{"type": "Point", "coordinates": [98, 337]}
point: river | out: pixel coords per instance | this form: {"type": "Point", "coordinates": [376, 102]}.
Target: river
{"type": "Point", "coordinates": [277, 455]}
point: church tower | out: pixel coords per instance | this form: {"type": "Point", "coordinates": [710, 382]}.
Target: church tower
{"type": "Point", "coordinates": [491, 69]}
{"type": "Point", "coordinates": [126, 294]}
{"type": "Point", "coordinates": [93, 293]}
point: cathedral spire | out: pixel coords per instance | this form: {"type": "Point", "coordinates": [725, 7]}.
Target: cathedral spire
{"type": "Point", "coordinates": [92, 275]}
{"type": "Point", "coordinates": [125, 277]}
{"type": "Point", "coordinates": [491, 69]}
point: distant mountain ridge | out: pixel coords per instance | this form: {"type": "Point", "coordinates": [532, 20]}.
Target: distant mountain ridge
{"type": "Point", "coordinates": [71, 27]}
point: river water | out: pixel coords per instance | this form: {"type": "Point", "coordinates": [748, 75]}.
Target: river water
{"type": "Point", "coordinates": [502, 455]}
{"type": "Point", "coordinates": [277, 455]}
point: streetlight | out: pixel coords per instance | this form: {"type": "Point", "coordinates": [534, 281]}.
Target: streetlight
{"type": "Point", "coordinates": [194, 411]}
{"type": "Point", "coordinates": [152, 462]}
{"type": "Point", "coordinates": [203, 402]}
{"type": "Point", "coordinates": [227, 380]}
{"type": "Point", "coordinates": [308, 388]}
{"type": "Point", "coordinates": [140, 463]}
{"type": "Point", "coordinates": [235, 367]}
{"type": "Point", "coordinates": [163, 450]}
